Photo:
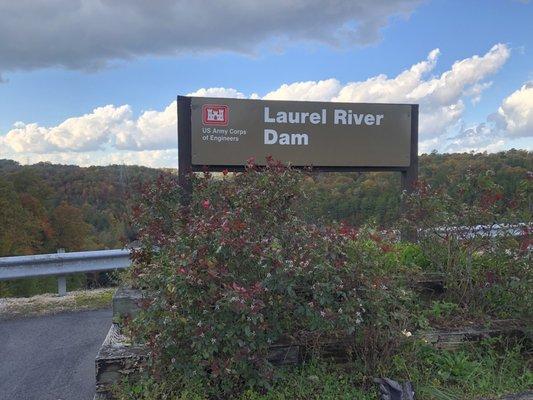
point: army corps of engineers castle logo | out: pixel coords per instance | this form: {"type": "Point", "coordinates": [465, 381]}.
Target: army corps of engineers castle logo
{"type": "Point", "coordinates": [215, 114]}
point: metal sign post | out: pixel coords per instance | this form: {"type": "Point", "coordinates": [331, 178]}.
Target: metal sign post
{"type": "Point", "coordinates": [184, 146]}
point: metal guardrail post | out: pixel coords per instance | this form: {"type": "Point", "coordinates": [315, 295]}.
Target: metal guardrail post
{"type": "Point", "coordinates": [62, 285]}
{"type": "Point", "coordinates": [61, 281]}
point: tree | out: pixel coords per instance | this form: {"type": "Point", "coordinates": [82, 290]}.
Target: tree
{"type": "Point", "coordinates": [71, 230]}
{"type": "Point", "coordinates": [17, 229]}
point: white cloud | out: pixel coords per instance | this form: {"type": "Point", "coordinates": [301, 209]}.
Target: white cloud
{"type": "Point", "coordinates": [91, 34]}
{"type": "Point", "coordinates": [319, 91]}
{"type": "Point", "coordinates": [153, 130]}
{"type": "Point", "coordinates": [382, 89]}
{"type": "Point", "coordinates": [112, 132]}
{"type": "Point", "coordinates": [477, 138]}
{"type": "Point", "coordinates": [88, 132]}
{"type": "Point", "coordinates": [440, 97]}
{"type": "Point", "coordinates": [517, 111]}
{"type": "Point", "coordinates": [107, 126]}
{"type": "Point", "coordinates": [475, 91]}
{"type": "Point", "coordinates": [513, 120]}
{"type": "Point", "coordinates": [218, 92]}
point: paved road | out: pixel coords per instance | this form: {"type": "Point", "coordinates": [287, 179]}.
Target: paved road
{"type": "Point", "coordinates": [51, 357]}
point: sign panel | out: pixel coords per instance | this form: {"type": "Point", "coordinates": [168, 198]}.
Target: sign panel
{"type": "Point", "coordinates": [227, 132]}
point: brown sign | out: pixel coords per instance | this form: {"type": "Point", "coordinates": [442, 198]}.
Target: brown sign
{"type": "Point", "coordinates": [227, 132]}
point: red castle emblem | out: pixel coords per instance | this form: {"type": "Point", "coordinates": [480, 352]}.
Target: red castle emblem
{"type": "Point", "coordinates": [215, 114]}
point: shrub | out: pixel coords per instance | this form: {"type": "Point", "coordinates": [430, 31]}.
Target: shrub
{"type": "Point", "coordinates": [485, 267]}
{"type": "Point", "coordinates": [237, 270]}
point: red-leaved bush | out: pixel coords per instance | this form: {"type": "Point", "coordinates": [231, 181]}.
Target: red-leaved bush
{"type": "Point", "coordinates": [237, 270]}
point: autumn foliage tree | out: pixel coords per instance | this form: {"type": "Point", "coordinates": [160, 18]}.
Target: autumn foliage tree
{"type": "Point", "coordinates": [70, 229]}
{"type": "Point", "coordinates": [17, 228]}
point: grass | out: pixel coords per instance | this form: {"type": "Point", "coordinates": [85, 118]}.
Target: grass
{"type": "Point", "coordinates": [52, 303]}
{"type": "Point", "coordinates": [312, 381]}
{"type": "Point", "coordinates": [317, 381]}
{"type": "Point", "coordinates": [486, 370]}
{"type": "Point", "coordinates": [40, 285]}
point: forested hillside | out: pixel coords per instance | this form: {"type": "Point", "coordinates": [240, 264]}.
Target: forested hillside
{"type": "Point", "coordinates": [374, 197]}
{"type": "Point", "coordinates": [44, 207]}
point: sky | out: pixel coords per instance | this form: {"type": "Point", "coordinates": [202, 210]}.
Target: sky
{"type": "Point", "coordinates": [94, 82]}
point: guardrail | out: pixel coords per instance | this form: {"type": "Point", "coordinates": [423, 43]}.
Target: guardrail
{"type": "Point", "coordinates": [61, 264]}
{"type": "Point", "coordinates": [495, 230]}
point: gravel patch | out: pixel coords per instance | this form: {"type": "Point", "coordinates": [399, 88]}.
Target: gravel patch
{"type": "Point", "coordinates": [45, 304]}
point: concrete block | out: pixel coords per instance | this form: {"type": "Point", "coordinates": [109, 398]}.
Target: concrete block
{"type": "Point", "coordinates": [126, 303]}
{"type": "Point", "coordinates": [117, 359]}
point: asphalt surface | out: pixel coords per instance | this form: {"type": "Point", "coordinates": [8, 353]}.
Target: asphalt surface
{"type": "Point", "coordinates": [51, 357]}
